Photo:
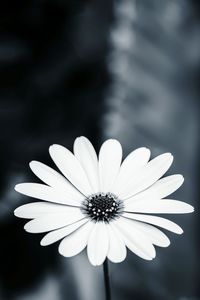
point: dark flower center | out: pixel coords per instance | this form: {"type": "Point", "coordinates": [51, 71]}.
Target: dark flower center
{"type": "Point", "coordinates": [102, 207]}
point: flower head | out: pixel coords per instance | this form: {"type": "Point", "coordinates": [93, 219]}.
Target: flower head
{"type": "Point", "coordinates": [102, 203]}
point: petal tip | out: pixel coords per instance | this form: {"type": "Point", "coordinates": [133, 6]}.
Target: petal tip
{"type": "Point", "coordinates": [17, 187]}
{"type": "Point", "coordinates": [182, 179]}
{"type": "Point", "coordinates": [154, 255]}
{"type": "Point", "coordinates": [145, 148]}
{"type": "Point", "coordinates": [60, 251]}
{"type": "Point", "coordinates": [20, 187]}
{"type": "Point", "coordinates": [51, 150]}
{"type": "Point", "coordinates": [25, 228]}
{"type": "Point", "coordinates": [191, 210]}
{"type": "Point", "coordinates": [28, 229]}
{"type": "Point", "coordinates": [82, 137]}
{"type": "Point", "coordinates": [167, 243]}
{"type": "Point", "coordinates": [95, 264]}
{"type": "Point", "coordinates": [149, 258]}
{"type": "Point", "coordinates": [43, 243]}
{"type": "Point", "coordinates": [169, 155]}
{"type": "Point", "coordinates": [188, 208]}
{"type": "Point", "coordinates": [32, 163]}
{"type": "Point", "coordinates": [112, 141]}
{"type": "Point", "coordinates": [15, 212]}
{"type": "Point", "coordinates": [53, 146]}
{"type": "Point", "coordinates": [148, 150]}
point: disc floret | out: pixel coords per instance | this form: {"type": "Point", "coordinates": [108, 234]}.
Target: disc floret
{"type": "Point", "coordinates": [102, 207]}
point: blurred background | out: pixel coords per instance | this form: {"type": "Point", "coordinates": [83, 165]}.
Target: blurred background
{"type": "Point", "coordinates": [123, 69]}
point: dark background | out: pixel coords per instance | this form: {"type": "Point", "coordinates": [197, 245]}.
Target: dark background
{"type": "Point", "coordinates": [124, 69]}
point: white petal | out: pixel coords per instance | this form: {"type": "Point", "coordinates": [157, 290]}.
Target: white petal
{"type": "Point", "coordinates": [135, 240]}
{"type": "Point", "coordinates": [98, 243]}
{"type": "Point", "coordinates": [110, 157]}
{"type": "Point", "coordinates": [58, 234]}
{"type": "Point", "coordinates": [52, 221]}
{"type": "Point", "coordinates": [156, 236]}
{"type": "Point", "coordinates": [76, 241]}
{"type": "Point", "coordinates": [117, 249]}
{"type": "Point", "coordinates": [47, 193]}
{"type": "Point", "coordinates": [54, 179]}
{"type": "Point", "coordinates": [163, 206]}
{"type": "Point", "coordinates": [85, 153]}
{"type": "Point", "coordinates": [71, 168]}
{"type": "Point", "coordinates": [160, 189]}
{"type": "Point", "coordinates": [130, 166]}
{"type": "Point", "coordinates": [38, 209]}
{"type": "Point", "coordinates": [147, 175]}
{"type": "Point", "coordinates": [158, 221]}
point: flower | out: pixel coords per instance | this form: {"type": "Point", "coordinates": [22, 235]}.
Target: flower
{"type": "Point", "coordinates": [104, 204]}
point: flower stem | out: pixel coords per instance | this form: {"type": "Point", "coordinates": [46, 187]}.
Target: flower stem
{"type": "Point", "coordinates": [107, 280]}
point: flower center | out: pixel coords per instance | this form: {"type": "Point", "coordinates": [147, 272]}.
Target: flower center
{"type": "Point", "coordinates": [102, 207]}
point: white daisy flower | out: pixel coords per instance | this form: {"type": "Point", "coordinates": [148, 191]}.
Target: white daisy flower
{"type": "Point", "coordinates": [102, 203]}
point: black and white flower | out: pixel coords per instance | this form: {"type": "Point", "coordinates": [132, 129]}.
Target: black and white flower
{"type": "Point", "coordinates": [102, 203]}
